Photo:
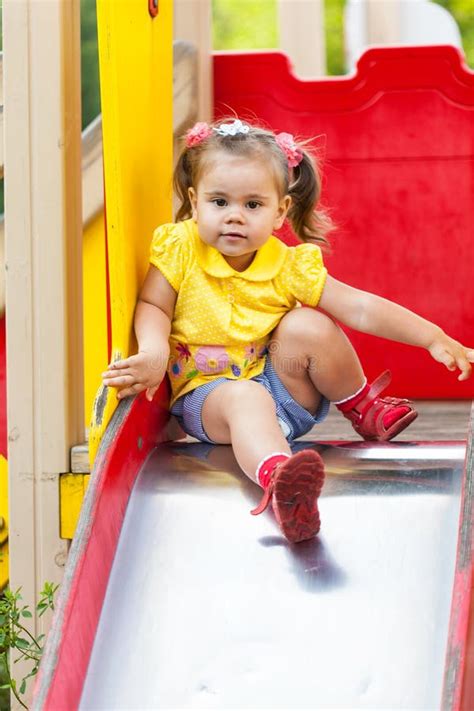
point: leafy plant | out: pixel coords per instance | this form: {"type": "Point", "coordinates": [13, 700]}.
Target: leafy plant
{"type": "Point", "coordinates": [16, 641]}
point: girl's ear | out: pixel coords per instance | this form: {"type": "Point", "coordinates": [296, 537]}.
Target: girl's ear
{"type": "Point", "coordinates": [284, 206]}
{"type": "Point", "coordinates": [193, 200]}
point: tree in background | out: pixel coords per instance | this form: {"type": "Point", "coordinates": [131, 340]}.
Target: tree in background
{"type": "Point", "coordinates": [89, 63]}
{"type": "Point", "coordinates": [246, 24]}
{"type": "Point", "coordinates": [463, 13]}
{"type": "Point", "coordinates": [251, 24]}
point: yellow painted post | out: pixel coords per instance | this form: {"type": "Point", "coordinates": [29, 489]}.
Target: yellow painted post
{"type": "Point", "coordinates": [73, 488]}
{"type": "Point", "coordinates": [3, 522]}
{"type": "Point", "coordinates": [136, 61]}
{"type": "Point", "coordinates": [95, 309]}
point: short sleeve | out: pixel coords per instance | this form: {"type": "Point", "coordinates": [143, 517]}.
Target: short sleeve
{"type": "Point", "coordinates": [170, 252]}
{"type": "Point", "coordinates": [306, 274]}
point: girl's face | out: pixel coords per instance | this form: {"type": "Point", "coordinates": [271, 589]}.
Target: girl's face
{"type": "Point", "coordinates": [237, 206]}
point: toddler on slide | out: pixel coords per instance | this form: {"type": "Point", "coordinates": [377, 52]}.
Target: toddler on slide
{"type": "Point", "coordinates": [220, 312]}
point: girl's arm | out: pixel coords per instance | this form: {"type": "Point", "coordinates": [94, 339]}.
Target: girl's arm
{"type": "Point", "coordinates": [153, 316]}
{"type": "Point", "coordinates": [375, 315]}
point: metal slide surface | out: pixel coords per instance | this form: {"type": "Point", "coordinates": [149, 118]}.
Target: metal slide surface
{"type": "Point", "coordinates": [209, 607]}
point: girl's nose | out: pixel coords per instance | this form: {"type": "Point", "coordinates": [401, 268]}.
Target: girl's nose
{"type": "Point", "coordinates": [234, 214]}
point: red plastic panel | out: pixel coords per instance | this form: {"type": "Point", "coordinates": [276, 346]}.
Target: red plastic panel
{"type": "Point", "coordinates": [397, 143]}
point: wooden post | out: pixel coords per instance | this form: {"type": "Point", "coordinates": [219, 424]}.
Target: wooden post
{"type": "Point", "coordinates": [383, 22]}
{"type": "Point", "coordinates": [301, 25]}
{"type": "Point", "coordinates": [192, 22]}
{"type": "Point", "coordinates": [42, 128]}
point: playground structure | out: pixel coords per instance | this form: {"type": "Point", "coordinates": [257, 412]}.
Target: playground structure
{"type": "Point", "coordinates": [108, 309]}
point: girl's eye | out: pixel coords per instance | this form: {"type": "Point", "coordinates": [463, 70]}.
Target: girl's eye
{"type": "Point", "coordinates": [220, 202]}
{"type": "Point", "coordinates": [252, 204]}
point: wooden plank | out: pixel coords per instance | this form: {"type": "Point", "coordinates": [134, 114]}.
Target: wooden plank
{"type": "Point", "coordinates": [438, 420]}
{"type": "Point", "coordinates": [42, 132]}
{"type": "Point", "coordinates": [302, 38]}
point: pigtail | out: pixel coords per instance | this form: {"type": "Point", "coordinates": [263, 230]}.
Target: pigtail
{"type": "Point", "coordinates": [182, 181]}
{"type": "Point", "coordinates": [310, 224]}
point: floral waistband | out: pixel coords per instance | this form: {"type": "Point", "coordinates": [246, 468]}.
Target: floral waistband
{"type": "Point", "coordinates": [188, 362]}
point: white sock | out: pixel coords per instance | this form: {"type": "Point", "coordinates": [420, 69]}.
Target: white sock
{"type": "Point", "coordinates": [340, 402]}
{"type": "Point", "coordinates": [265, 459]}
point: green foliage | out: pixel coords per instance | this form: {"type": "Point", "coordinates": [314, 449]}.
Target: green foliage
{"type": "Point", "coordinates": [244, 24]}
{"type": "Point", "coordinates": [89, 63]}
{"type": "Point", "coordinates": [17, 643]}
{"type": "Point", "coordinates": [4, 693]}
{"type": "Point", "coordinates": [334, 26]}
{"type": "Point", "coordinates": [252, 24]}
{"type": "Point", "coordinates": [463, 13]}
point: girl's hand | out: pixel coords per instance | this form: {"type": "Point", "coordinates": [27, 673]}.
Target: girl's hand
{"type": "Point", "coordinates": [453, 355]}
{"type": "Point", "coordinates": [143, 371]}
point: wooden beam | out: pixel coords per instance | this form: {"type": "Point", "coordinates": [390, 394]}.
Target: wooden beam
{"type": "Point", "coordinates": [301, 28]}
{"type": "Point", "coordinates": [192, 23]}
{"type": "Point", "coordinates": [42, 131]}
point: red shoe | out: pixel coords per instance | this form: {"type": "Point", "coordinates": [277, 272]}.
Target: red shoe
{"type": "Point", "coordinates": [294, 488]}
{"type": "Point", "coordinates": [379, 418]}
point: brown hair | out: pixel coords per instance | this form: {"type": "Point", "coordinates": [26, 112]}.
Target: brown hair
{"type": "Point", "coordinates": [302, 183]}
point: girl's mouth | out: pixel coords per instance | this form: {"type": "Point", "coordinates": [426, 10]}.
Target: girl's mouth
{"type": "Point", "coordinates": [233, 235]}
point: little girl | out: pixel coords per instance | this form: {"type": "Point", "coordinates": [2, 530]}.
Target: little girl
{"type": "Point", "coordinates": [217, 312]}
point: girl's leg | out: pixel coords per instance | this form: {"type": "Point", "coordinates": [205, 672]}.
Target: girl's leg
{"type": "Point", "coordinates": [313, 356]}
{"type": "Point", "coordinates": [243, 414]}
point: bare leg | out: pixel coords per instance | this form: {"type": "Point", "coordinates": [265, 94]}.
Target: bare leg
{"type": "Point", "coordinates": [313, 356]}
{"type": "Point", "coordinates": [242, 413]}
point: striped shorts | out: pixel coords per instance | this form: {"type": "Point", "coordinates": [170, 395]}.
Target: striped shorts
{"type": "Point", "coordinates": [292, 417]}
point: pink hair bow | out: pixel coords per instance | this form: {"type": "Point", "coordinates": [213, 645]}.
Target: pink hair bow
{"type": "Point", "coordinates": [198, 133]}
{"type": "Point", "coordinates": [287, 144]}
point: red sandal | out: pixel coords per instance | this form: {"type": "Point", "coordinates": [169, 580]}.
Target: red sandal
{"type": "Point", "coordinates": [378, 418]}
{"type": "Point", "coordinates": [294, 487]}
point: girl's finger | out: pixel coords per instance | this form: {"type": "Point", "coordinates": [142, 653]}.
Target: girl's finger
{"type": "Point", "coordinates": [115, 373]}
{"type": "Point", "coordinates": [117, 364]}
{"type": "Point", "coordinates": [131, 390]}
{"type": "Point", "coordinates": [119, 381]}
{"type": "Point", "coordinates": [449, 361]}
{"type": "Point", "coordinates": [150, 393]}
{"type": "Point", "coordinates": [465, 368]}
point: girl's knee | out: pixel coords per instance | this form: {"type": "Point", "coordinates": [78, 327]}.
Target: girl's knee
{"type": "Point", "coordinates": [247, 393]}
{"type": "Point", "coordinates": [235, 396]}
{"type": "Point", "coordinates": [303, 324]}
{"type": "Point", "coordinates": [239, 401]}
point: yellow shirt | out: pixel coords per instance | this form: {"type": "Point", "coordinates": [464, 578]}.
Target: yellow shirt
{"type": "Point", "coordinates": [223, 318]}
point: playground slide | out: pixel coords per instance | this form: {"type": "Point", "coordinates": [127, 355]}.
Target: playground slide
{"type": "Point", "coordinates": [174, 596]}
{"type": "Point", "coordinates": [208, 607]}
